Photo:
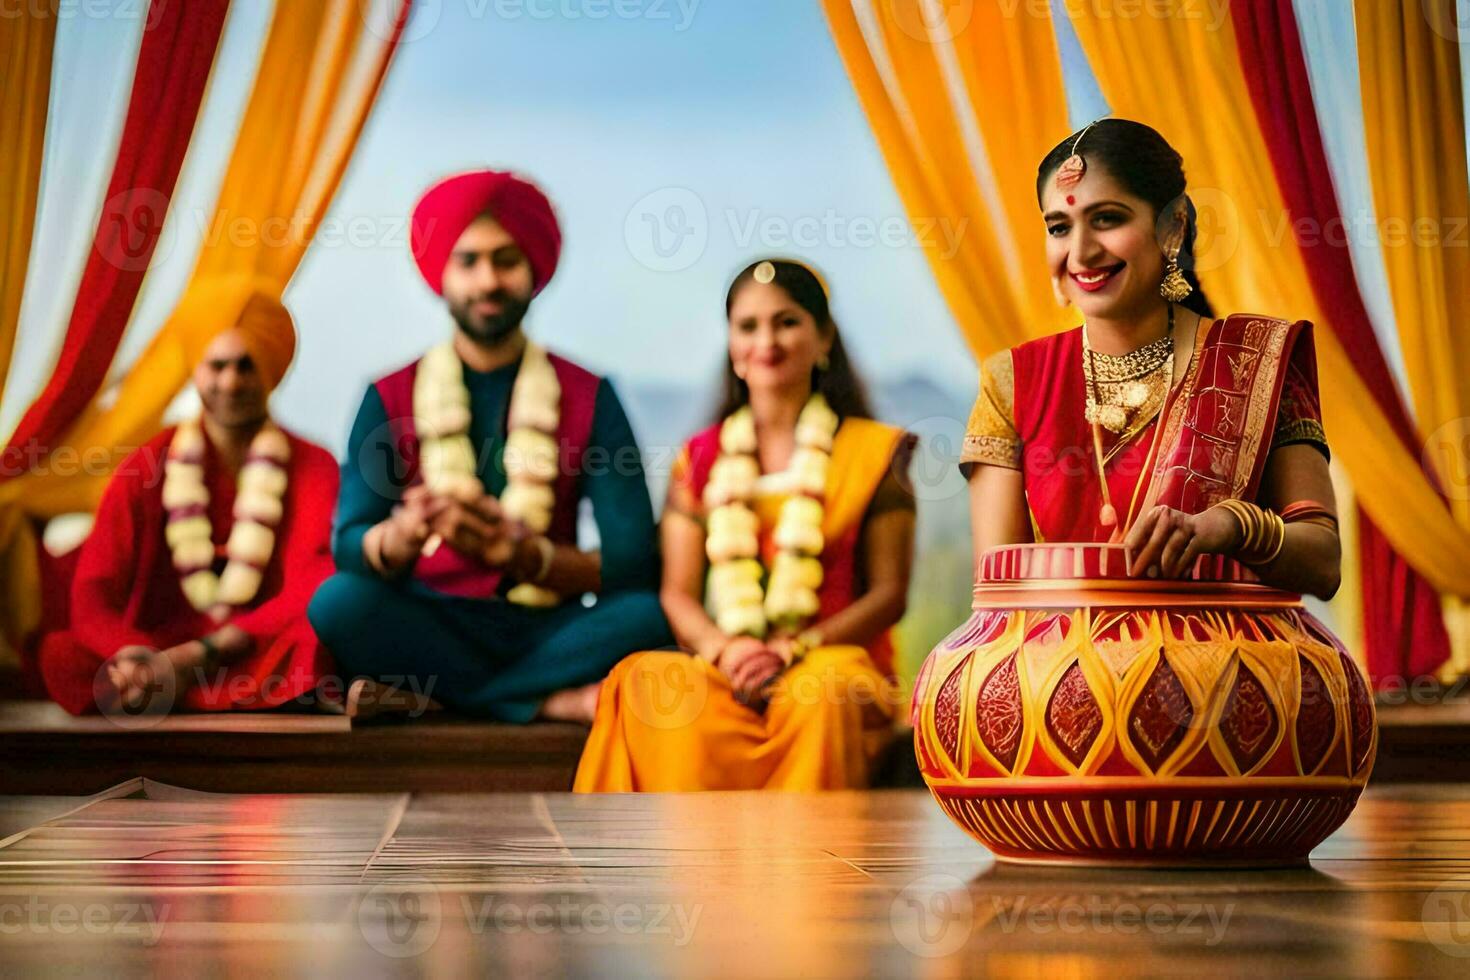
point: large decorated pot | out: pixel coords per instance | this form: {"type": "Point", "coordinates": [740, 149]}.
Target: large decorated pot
{"type": "Point", "coordinates": [1084, 716]}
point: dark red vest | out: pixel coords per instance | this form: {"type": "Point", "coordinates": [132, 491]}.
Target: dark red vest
{"type": "Point", "coordinates": [447, 570]}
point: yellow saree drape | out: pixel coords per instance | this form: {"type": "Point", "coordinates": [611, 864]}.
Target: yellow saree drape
{"type": "Point", "coordinates": [669, 722]}
{"type": "Point", "coordinates": [1414, 120]}
{"type": "Point", "coordinates": [963, 109]}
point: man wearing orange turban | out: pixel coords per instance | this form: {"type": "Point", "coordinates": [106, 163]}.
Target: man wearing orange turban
{"type": "Point", "coordinates": [459, 571]}
{"type": "Point", "coordinates": [191, 590]}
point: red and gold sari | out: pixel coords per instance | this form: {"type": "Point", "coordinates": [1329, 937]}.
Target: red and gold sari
{"type": "Point", "coordinates": [668, 721]}
{"type": "Point", "coordinates": [1145, 698]}
{"type": "Point", "coordinates": [1251, 386]}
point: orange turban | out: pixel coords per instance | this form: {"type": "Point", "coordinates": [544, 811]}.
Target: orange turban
{"type": "Point", "coordinates": [250, 304]}
{"type": "Point", "coordinates": [450, 206]}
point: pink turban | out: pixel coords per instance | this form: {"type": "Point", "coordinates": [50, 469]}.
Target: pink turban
{"type": "Point", "coordinates": [450, 206]}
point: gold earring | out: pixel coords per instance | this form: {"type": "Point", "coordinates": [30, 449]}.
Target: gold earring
{"type": "Point", "coordinates": [823, 363]}
{"type": "Point", "coordinates": [1174, 287]}
{"type": "Point", "coordinates": [1056, 290]}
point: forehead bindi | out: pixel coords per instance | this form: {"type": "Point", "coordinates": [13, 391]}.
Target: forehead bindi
{"type": "Point", "coordinates": [1096, 188]}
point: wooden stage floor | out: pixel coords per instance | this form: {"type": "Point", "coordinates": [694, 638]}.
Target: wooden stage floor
{"type": "Point", "coordinates": [153, 879]}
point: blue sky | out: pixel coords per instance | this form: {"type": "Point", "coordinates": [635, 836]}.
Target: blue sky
{"type": "Point", "coordinates": [733, 123]}
{"type": "Point", "coordinates": [726, 128]}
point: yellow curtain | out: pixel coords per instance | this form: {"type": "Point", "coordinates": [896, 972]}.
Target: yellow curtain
{"type": "Point", "coordinates": [1182, 75]}
{"type": "Point", "coordinates": [1415, 124]}
{"type": "Point", "coordinates": [26, 41]}
{"type": "Point", "coordinates": [963, 108]}
{"type": "Point", "coordinates": [318, 75]}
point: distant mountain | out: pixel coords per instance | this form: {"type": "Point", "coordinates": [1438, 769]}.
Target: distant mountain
{"type": "Point", "coordinates": [667, 414]}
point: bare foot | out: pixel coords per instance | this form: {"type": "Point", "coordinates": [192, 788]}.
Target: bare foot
{"type": "Point", "coordinates": [575, 704]}
{"type": "Point", "coordinates": [367, 698]}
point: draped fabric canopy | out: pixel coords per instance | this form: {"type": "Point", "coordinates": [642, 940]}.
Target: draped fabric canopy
{"type": "Point", "coordinates": [1409, 55]}
{"type": "Point", "coordinates": [174, 63]}
{"type": "Point", "coordinates": [1182, 73]}
{"type": "Point", "coordinates": [956, 151]}
{"type": "Point", "coordinates": [1408, 633]}
{"type": "Point", "coordinates": [25, 89]}
{"type": "Point", "coordinates": [318, 75]}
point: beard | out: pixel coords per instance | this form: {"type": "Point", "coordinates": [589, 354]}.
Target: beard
{"type": "Point", "coordinates": [234, 411]}
{"type": "Point", "coordinates": [490, 330]}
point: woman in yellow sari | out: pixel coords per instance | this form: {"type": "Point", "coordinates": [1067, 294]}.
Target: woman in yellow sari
{"type": "Point", "coordinates": [787, 542]}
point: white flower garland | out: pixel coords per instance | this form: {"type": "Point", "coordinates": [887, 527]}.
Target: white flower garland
{"type": "Point", "coordinates": [441, 407]}
{"type": "Point", "coordinates": [258, 509]}
{"type": "Point", "coordinates": [789, 599]}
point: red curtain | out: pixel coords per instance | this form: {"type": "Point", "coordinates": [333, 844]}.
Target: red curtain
{"type": "Point", "coordinates": [1405, 637]}
{"type": "Point", "coordinates": [174, 62]}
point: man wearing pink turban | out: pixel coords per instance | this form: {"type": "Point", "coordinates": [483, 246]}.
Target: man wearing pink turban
{"type": "Point", "coordinates": [191, 590]}
{"type": "Point", "coordinates": [459, 573]}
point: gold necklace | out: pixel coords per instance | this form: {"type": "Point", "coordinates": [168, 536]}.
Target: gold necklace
{"type": "Point", "coordinates": [1108, 515]}
{"type": "Point", "coordinates": [1128, 387]}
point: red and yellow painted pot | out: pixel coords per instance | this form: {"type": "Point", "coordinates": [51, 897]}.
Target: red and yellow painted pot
{"type": "Point", "coordinates": [1083, 716]}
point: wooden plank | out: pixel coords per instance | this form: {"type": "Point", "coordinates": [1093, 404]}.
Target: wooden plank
{"type": "Point", "coordinates": [737, 884]}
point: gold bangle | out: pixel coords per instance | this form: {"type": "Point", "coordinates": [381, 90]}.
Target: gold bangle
{"type": "Point", "coordinates": [1278, 531]}
{"type": "Point", "coordinates": [1263, 532]}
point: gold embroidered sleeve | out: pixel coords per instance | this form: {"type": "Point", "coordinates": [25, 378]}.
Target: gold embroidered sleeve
{"type": "Point", "coordinates": [1299, 418]}
{"type": "Point", "coordinates": [990, 437]}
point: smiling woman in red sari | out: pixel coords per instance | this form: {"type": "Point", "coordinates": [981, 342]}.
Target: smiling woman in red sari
{"type": "Point", "coordinates": [1156, 424]}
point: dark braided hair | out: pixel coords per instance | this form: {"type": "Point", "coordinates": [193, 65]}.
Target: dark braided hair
{"type": "Point", "coordinates": [1148, 167]}
{"type": "Point", "coordinates": [837, 382]}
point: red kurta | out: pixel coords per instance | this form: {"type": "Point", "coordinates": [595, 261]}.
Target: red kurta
{"type": "Point", "coordinates": [127, 591]}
